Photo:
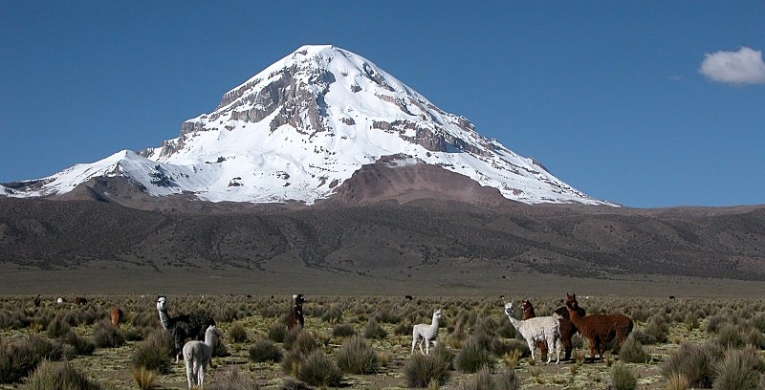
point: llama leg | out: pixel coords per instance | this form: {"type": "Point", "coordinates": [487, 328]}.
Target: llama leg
{"type": "Point", "coordinates": [543, 349]}
{"type": "Point", "coordinates": [551, 342]}
{"type": "Point", "coordinates": [189, 374]}
{"type": "Point", "coordinates": [567, 344]}
{"type": "Point", "coordinates": [414, 342]}
{"type": "Point", "coordinates": [201, 376]}
{"type": "Point", "coordinates": [532, 347]}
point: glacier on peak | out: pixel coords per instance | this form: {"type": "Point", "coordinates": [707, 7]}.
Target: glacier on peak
{"type": "Point", "coordinates": [306, 123]}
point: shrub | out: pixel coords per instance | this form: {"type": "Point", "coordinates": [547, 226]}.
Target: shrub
{"type": "Point", "coordinates": [237, 333]}
{"type": "Point", "coordinates": [233, 380]}
{"type": "Point", "coordinates": [421, 370]}
{"type": "Point", "coordinates": [319, 370]}
{"type": "Point", "coordinates": [144, 378]}
{"type": "Point", "coordinates": [632, 351]}
{"type": "Point", "coordinates": [484, 380]}
{"type": "Point", "coordinates": [472, 357]}
{"type": "Point", "coordinates": [61, 376]}
{"type": "Point", "coordinates": [622, 378]}
{"type": "Point", "coordinates": [81, 345]}
{"type": "Point", "coordinates": [107, 335]}
{"type": "Point", "coordinates": [729, 336]}
{"type": "Point", "coordinates": [692, 362]}
{"type": "Point", "coordinates": [18, 360]}
{"type": "Point", "coordinates": [333, 315]}
{"type": "Point", "coordinates": [292, 361]}
{"type": "Point", "coordinates": [277, 332]}
{"type": "Point", "coordinates": [343, 330]}
{"type": "Point", "coordinates": [154, 353]}
{"type": "Point", "coordinates": [265, 350]}
{"type": "Point", "coordinates": [356, 356]}
{"type": "Point", "coordinates": [658, 330]}
{"type": "Point", "coordinates": [57, 329]}
{"type": "Point", "coordinates": [373, 330]}
{"type": "Point", "coordinates": [739, 369]}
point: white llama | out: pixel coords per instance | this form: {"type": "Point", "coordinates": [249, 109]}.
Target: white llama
{"type": "Point", "coordinates": [198, 355]}
{"type": "Point", "coordinates": [426, 333]}
{"type": "Point", "coordinates": [538, 329]}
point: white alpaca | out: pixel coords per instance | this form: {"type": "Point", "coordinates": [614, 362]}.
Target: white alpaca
{"type": "Point", "coordinates": [425, 333]}
{"type": "Point", "coordinates": [198, 356]}
{"type": "Point", "coordinates": [538, 329]}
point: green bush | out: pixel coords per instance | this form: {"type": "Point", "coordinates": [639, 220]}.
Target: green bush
{"type": "Point", "coordinates": [739, 369]}
{"type": "Point", "coordinates": [333, 315]}
{"type": "Point", "coordinates": [632, 351]}
{"type": "Point", "coordinates": [107, 335]}
{"type": "Point", "coordinates": [265, 350]}
{"type": "Point", "coordinates": [237, 333]}
{"type": "Point", "coordinates": [484, 380]}
{"type": "Point", "coordinates": [622, 378]}
{"type": "Point", "coordinates": [421, 370]}
{"type": "Point", "coordinates": [343, 330]}
{"type": "Point", "coordinates": [317, 369]}
{"type": "Point", "coordinates": [356, 356]}
{"type": "Point", "coordinates": [154, 353]}
{"type": "Point", "coordinates": [277, 332]}
{"type": "Point", "coordinates": [373, 330]}
{"type": "Point", "coordinates": [472, 357]}
{"type": "Point", "coordinates": [59, 376]}
{"type": "Point", "coordinates": [81, 345]}
{"type": "Point", "coordinates": [57, 329]}
{"type": "Point", "coordinates": [730, 336]}
{"type": "Point", "coordinates": [694, 363]}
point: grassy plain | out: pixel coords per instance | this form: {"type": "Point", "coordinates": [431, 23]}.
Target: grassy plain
{"type": "Point", "coordinates": [684, 319]}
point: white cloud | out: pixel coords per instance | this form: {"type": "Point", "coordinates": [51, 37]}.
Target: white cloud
{"type": "Point", "coordinates": [734, 67]}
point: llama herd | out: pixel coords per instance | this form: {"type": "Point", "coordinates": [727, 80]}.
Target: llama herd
{"type": "Point", "coordinates": [548, 333]}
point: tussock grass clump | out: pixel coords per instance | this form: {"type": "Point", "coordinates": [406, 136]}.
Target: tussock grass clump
{"type": "Point", "coordinates": [107, 335]}
{"type": "Point", "coordinates": [421, 370]}
{"type": "Point", "coordinates": [333, 315]}
{"type": "Point", "coordinates": [57, 329]}
{"type": "Point", "coordinates": [343, 330]}
{"type": "Point", "coordinates": [81, 345]}
{"type": "Point", "coordinates": [356, 356]}
{"type": "Point", "coordinates": [484, 380]}
{"type": "Point", "coordinates": [632, 351]}
{"type": "Point", "coordinates": [154, 353]}
{"type": "Point", "coordinates": [318, 369]}
{"type": "Point", "coordinates": [739, 369]}
{"type": "Point", "coordinates": [730, 336]}
{"type": "Point", "coordinates": [622, 378]}
{"type": "Point", "coordinates": [59, 376]}
{"type": "Point", "coordinates": [374, 330]}
{"type": "Point", "coordinates": [237, 333]}
{"type": "Point", "coordinates": [694, 363]}
{"type": "Point", "coordinates": [144, 378]}
{"type": "Point", "coordinates": [18, 360]}
{"type": "Point", "coordinates": [656, 331]}
{"type": "Point", "coordinates": [265, 350]}
{"type": "Point", "coordinates": [473, 356]}
{"type": "Point", "coordinates": [277, 332]}
{"type": "Point", "coordinates": [233, 379]}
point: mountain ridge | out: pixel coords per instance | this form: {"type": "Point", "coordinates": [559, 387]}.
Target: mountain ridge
{"type": "Point", "coordinates": [301, 127]}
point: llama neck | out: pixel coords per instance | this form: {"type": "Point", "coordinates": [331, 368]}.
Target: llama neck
{"type": "Point", "coordinates": [573, 315]}
{"type": "Point", "coordinates": [434, 323]}
{"type": "Point", "coordinates": [513, 321]}
{"type": "Point", "coordinates": [210, 339]}
{"type": "Point", "coordinates": [163, 318]}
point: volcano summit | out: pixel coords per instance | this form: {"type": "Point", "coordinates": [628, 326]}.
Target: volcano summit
{"type": "Point", "coordinates": [299, 131]}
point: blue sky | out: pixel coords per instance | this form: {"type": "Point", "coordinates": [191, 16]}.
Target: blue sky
{"type": "Point", "coordinates": [646, 104]}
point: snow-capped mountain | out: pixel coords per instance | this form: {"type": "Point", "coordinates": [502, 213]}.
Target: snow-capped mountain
{"type": "Point", "coordinates": [303, 126]}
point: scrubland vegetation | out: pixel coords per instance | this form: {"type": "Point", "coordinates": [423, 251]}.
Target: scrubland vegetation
{"type": "Point", "coordinates": [364, 342]}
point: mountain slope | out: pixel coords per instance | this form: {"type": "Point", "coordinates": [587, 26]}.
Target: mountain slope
{"type": "Point", "coordinates": [302, 127]}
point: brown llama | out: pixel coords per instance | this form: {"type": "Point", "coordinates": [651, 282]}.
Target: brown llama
{"type": "Point", "coordinates": [80, 301]}
{"type": "Point", "coordinates": [116, 316]}
{"type": "Point", "coordinates": [599, 329]}
{"type": "Point", "coordinates": [295, 317]}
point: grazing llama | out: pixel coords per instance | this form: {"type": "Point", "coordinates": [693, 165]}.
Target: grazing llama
{"type": "Point", "coordinates": [37, 301]}
{"type": "Point", "coordinates": [295, 317]}
{"type": "Point", "coordinates": [116, 316]}
{"type": "Point", "coordinates": [599, 329]}
{"type": "Point", "coordinates": [189, 326]}
{"type": "Point", "coordinates": [537, 329]}
{"type": "Point", "coordinates": [80, 301]}
{"type": "Point", "coordinates": [197, 355]}
{"type": "Point", "coordinates": [426, 333]}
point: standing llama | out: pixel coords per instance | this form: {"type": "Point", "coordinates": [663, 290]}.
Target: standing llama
{"type": "Point", "coordinates": [599, 329]}
{"type": "Point", "coordinates": [295, 317]}
{"type": "Point", "coordinates": [567, 328]}
{"type": "Point", "coordinates": [189, 326]}
{"type": "Point", "coordinates": [537, 329]}
{"type": "Point", "coordinates": [116, 316]}
{"type": "Point", "coordinates": [198, 355]}
{"type": "Point", "coordinates": [426, 333]}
